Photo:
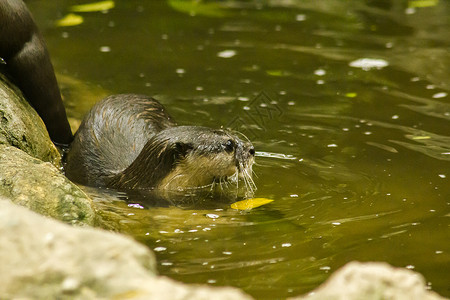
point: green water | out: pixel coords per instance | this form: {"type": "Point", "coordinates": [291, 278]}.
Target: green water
{"type": "Point", "coordinates": [357, 160]}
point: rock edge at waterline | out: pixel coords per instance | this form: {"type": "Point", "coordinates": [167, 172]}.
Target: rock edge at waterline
{"type": "Point", "coordinates": [21, 126]}
{"type": "Point", "coordinates": [41, 258]}
{"type": "Point", "coordinates": [372, 281]}
{"type": "Point", "coordinates": [30, 164]}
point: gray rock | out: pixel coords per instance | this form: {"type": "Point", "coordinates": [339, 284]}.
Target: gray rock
{"type": "Point", "coordinates": [42, 188]}
{"type": "Point", "coordinates": [21, 126]}
{"type": "Point", "coordinates": [372, 281]}
{"type": "Point", "coordinates": [41, 258]}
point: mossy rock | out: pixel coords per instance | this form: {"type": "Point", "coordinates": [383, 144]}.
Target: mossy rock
{"type": "Point", "coordinates": [21, 126]}
{"type": "Point", "coordinates": [41, 187]}
{"type": "Point", "coordinates": [30, 165]}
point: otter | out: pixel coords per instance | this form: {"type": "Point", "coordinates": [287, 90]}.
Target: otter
{"type": "Point", "coordinates": [130, 142]}
{"type": "Point", "coordinates": [26, 61]}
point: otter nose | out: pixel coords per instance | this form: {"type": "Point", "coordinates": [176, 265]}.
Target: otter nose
{"type": "Point", "coordinates": [252, 151]}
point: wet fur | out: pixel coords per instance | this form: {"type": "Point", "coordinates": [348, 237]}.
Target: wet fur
{"type": "Point", "coordinates": [111, 137]}
{"type": "Point", "coordinates": [130, 142]}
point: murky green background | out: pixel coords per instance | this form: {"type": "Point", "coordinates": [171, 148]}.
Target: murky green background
{"type": "Point", "coordinates": [357, 159]}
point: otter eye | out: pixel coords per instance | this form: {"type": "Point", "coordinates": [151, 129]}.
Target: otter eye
{"type": "Point", "coordinates": [183, 148]}
{"type": "Point", "coordinates": [229, 146]}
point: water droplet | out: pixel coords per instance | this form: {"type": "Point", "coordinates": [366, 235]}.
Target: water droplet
{"type": "Point", "coordinates": [226, 53]}
{"type": "Point", "coordinates": [440, 95]}
{"type": "Point", "coordinates": [105, 49]}
{"type": "Point", "coordinates": [369, 63]}
{"type": "Point", "coordinates": [135, 205]}
{"type": "Point", "coordinates": [410, 11]}
{"type": "Point", "coordinates": [320, 72]}
{"type": "Point", "coordinates": [300, 17]}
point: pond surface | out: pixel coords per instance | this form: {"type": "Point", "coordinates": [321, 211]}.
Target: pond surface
{"type": "Point", "coordinates": [346, 102]}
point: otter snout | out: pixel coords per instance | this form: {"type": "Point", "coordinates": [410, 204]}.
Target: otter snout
{"type": "Point", "coordinates": [245, 153]}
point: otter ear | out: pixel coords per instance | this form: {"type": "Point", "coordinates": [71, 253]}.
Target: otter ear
{"type": "Point", "coordinates": [183, 148]}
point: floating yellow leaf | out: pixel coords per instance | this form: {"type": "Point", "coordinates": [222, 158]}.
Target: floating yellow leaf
{"type": "Point", "coordinates": [422, 3]}
{"type": "Point", "coordinates": [351, 95]}
{"type": "Point", "coordinates": [250, 203]}
{"type": "Point", "coordinates": [70, 20]}
{"type": "Point", "coordinates": [91, 7]}
{"type": "Point", "coordinates": [198, 7]}
{"type": "Point", "coordinates": [277, 73]}
{"type": "Point", "coordinates": [425, 137]}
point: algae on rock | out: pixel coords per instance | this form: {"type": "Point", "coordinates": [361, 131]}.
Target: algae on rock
{"type": "Point", "coordinates": [42, 188]}
{"type": "Point", "coordinates": [21, 126]}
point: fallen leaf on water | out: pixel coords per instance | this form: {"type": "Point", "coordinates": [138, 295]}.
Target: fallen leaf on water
{"type": "Point", "coordinates": [70, 20]}
{"type": "Point", "coordinates": [196, 7]}
{"type": "Point", "coordinates": [278, 73]}
{"type": "Point", "coordinates": [250, 203]}
{"type": "Point", "coordinates": [91, 7]}
{"type": "Point", "coordinates": [422, 3]}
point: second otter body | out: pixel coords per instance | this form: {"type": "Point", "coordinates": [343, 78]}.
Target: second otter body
{"type": "Point", "coordinates": [27, 62]}
{"type": "Point", "coordinates": [131, 142]}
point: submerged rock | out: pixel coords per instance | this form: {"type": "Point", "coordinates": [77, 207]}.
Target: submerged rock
{"type": "Point", "coordinates": [372, 281]}
{"type": "Point", "coordinates": [42, 258]}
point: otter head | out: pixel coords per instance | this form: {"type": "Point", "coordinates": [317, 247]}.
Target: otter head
{"type": "Point", "coordinates": [185, 157]}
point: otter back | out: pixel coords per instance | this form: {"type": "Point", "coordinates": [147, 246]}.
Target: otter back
{"type": "Point", "coordinates": [112, 135]}
{"type": "Point", "coordinates": [28, 65]}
